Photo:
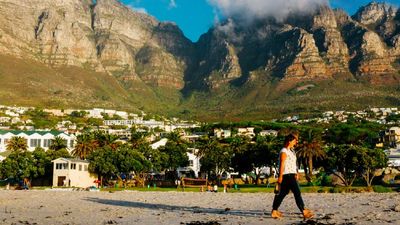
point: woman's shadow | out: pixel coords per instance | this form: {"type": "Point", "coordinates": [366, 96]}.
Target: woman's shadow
{"type": "Point", "coordinates": [190, 209]}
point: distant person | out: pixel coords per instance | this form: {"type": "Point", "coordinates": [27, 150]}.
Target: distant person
{"type": "Point", "coordinates": [209, 188]}
{"type": "Point", "coordinates": [26, 183]}
{"type": "Point", "coordinates": [287, 179]}
{"type": "Point", "coordinates": [215, 189]}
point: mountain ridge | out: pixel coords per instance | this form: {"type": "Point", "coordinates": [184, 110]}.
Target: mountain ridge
{"type": "Point", "coordinates": [152, 65]}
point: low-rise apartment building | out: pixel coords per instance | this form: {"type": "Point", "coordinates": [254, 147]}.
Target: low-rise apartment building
{"type": "Point", "coordinates": [35, 139]}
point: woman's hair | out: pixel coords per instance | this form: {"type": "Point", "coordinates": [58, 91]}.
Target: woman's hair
{"type": "Point", "coordinates": [289, 138]}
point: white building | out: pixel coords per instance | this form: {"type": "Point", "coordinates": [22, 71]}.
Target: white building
{"type": "Point", "coordinates": [194, 164]}
{"type": "Point", "coordinates": [221, 133]}
{"type": "Point", "coordinates": [36, 138]}
{"type": "Point", "coordinates": [122, 114]}
{"type": "Point", "coordinates": [269, 133]}
{"type": "Point", "coordinates": [72, 173]}
{"type": "Point", "coordinates": [55, 112]}
{"type": "Point", "coordinates": [4, 119]}
{"type": "Point", "coordinates": [392, 136]}
{"type": "Point", "coordinates": [11, 113]}
{"type": "Point", "coordinates": [248, 132]}
{"type": "Point", "coordinates": [159, 143]}
{"type": "Point", "coordinates": [127, 123]}
{"type": "Point", "coordinates": [95, 113]}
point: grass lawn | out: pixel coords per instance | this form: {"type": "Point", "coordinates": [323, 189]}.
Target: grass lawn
{"type": "Point", "coordinates": [265, 189]}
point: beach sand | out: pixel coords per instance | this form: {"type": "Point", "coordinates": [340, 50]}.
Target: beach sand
{"type": "Point", "coordinates": [133, 207]}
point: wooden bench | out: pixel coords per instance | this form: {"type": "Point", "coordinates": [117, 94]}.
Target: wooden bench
{"type": "Point", "coordinates": [191, 182]}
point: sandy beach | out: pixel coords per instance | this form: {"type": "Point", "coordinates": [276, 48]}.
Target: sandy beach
{"type": "Point", "coordinates": [133, 207]}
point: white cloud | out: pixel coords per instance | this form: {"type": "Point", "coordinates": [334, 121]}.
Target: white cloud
{"type": "Point", "coordinates": [172, 4]}
{"type": "Point", "coordinates": [252, 9]}
{"type": "Point", "coordinates": [136, 9]}
{"type": "Point", "coordinates": [140, 10]}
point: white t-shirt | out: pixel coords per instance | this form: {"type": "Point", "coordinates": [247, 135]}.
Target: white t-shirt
{"type": "Point", "coordinates": [290, 166]}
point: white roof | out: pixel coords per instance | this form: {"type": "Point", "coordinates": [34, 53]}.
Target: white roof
{"type": "Point", "coordinates": [159, 143]}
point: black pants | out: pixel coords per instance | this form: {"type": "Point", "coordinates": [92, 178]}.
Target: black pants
{"type": "Point", "coordinates": [289, 183]}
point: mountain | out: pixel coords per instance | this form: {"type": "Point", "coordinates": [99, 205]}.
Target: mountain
{"type": "Point", "coordinates": [85, 53]}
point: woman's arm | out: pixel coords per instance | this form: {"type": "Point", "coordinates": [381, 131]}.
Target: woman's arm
{"type": "Point", "coordinates": [282, 160]}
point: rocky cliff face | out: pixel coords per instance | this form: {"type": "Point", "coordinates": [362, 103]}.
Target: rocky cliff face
{"type": "Point", "coordinates": [331, 45]}
{"type": "Point", "coordinates": [55, 32]}
{"type": "Point", "coordinates": [136, 49]}
{"type": "Point", "coordinates": [102, 35]}
{"type": "Point", "coordinates": [323, 45]}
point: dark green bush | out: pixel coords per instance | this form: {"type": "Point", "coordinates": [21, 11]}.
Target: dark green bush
{"type": "Point", "coordinates": [381, 189]}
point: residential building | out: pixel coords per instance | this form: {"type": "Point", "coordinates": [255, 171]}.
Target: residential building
{"type": "Point", "coordinates": [222, 133]}
{"type": "Point", "coordinates": [36, 138]}
{"type": "Point", "coordinates": [72, 173]}
{"type": "Point", "coordinates": [248, 132]}
{"type": "Point", "coordinates": [95, 113]}
{"type": "Point", "coordinates": [392, 137]}
{"type": "Point", "coordinates": [5, 119]}
{"type": "Point", "coordinates": [194, 164]}
{"type": "Point", "coordinates": [55, 112]}
{"type": "Point", "coordinates": [269, 133]}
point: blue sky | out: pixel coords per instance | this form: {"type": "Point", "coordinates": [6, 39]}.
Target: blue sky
{"type": "Point", "coordinates": [195, 17]}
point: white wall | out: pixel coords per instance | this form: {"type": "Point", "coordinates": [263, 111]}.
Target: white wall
{"type": "Point", "coordinates": [74, 177]}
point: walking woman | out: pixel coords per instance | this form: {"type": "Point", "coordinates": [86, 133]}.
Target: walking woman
{"type": "Point", "coordinates": [287, 179]}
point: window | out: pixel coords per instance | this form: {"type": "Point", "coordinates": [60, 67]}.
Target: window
{"type": "Point", "coordinates": [46, 143]}
{"type": "Point", "coordinates": [61, 166]}
{"type": "Point", "coordinates": [73, 166]}
{"type": "Point", "coordinates": [66, 142]}
{"type": "Point", "coordinates": [85, 168]}
{"type": "Point", "coordinates": [71, 143]}
{"type": "Point", "coordinates": [35, 142]}
{"type": "Point", "coordinates": [80, 167]}
{"type": "Point", "coordinates": [190, 162]}
{"type": "Point", "coordinates": [6, 141]}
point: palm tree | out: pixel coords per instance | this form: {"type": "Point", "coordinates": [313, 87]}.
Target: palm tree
{"type": "Point", "coordinates": [58, 143]}
{"type": "Point", "coordinates": [104, 139]}
{"type": "Point", "coordinates": [85, 144]}
{"type": "Point", "coordinates": [138, 139]}
{"type": "Point", "coordinates": [17, 143]}
{"type": "Point", "coordinates": [310, 149]}
{"type": "Point", "coordinates": [206, 145]}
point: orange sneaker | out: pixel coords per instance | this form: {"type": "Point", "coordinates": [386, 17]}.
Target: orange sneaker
{"type": "Point", "coordinates": [307, 214]}
{"type": "Point", "coordinates": [276, 214]}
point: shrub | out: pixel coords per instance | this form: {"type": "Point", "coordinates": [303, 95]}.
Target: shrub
{"type": "Point", "coordinates": [381, 189]}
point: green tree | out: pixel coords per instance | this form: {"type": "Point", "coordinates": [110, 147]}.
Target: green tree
{"type": "Point", "coordinates": [362, 133]}
{"type": "Point", "coordinates": [138, 138]}
{"type": "Point", "coordinates": [17, 143]}
{"type": "Point", "coordinates": [58, 143]}
{"type": "Point", "coordinates": [266, 151]}
{"type": "Point", "coordinates": [85, 144]}
{"type": "Point", "coordinates": [104, 139]}
{"type": "Point", "coordinates": [43, 164]}
{"type": "Point", "coordinates": [42, 119]}
{"type": "Point", "coordinates": [103, 162]}
{"type": "Point", "coordinates": [243, 154]}
{"type": "Point", "coordinates": [215, 157]}
{"type": "Point", "coordinates": [55, 154]}
{"type": "Point", "coordinates": [131, 160]}
{"type": "Point", "coordinates": [344, 161]}
{"type": "Point", "coordinates": [309, 150]}
{"type": "Point", "coordinates": [176, 155]}
{"type": "Point", "coordinates": [372, 160]}
{"type": "Point", "coordinates": [19, 165]}
{"type": "Point", "coordinates": [157, 158]}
